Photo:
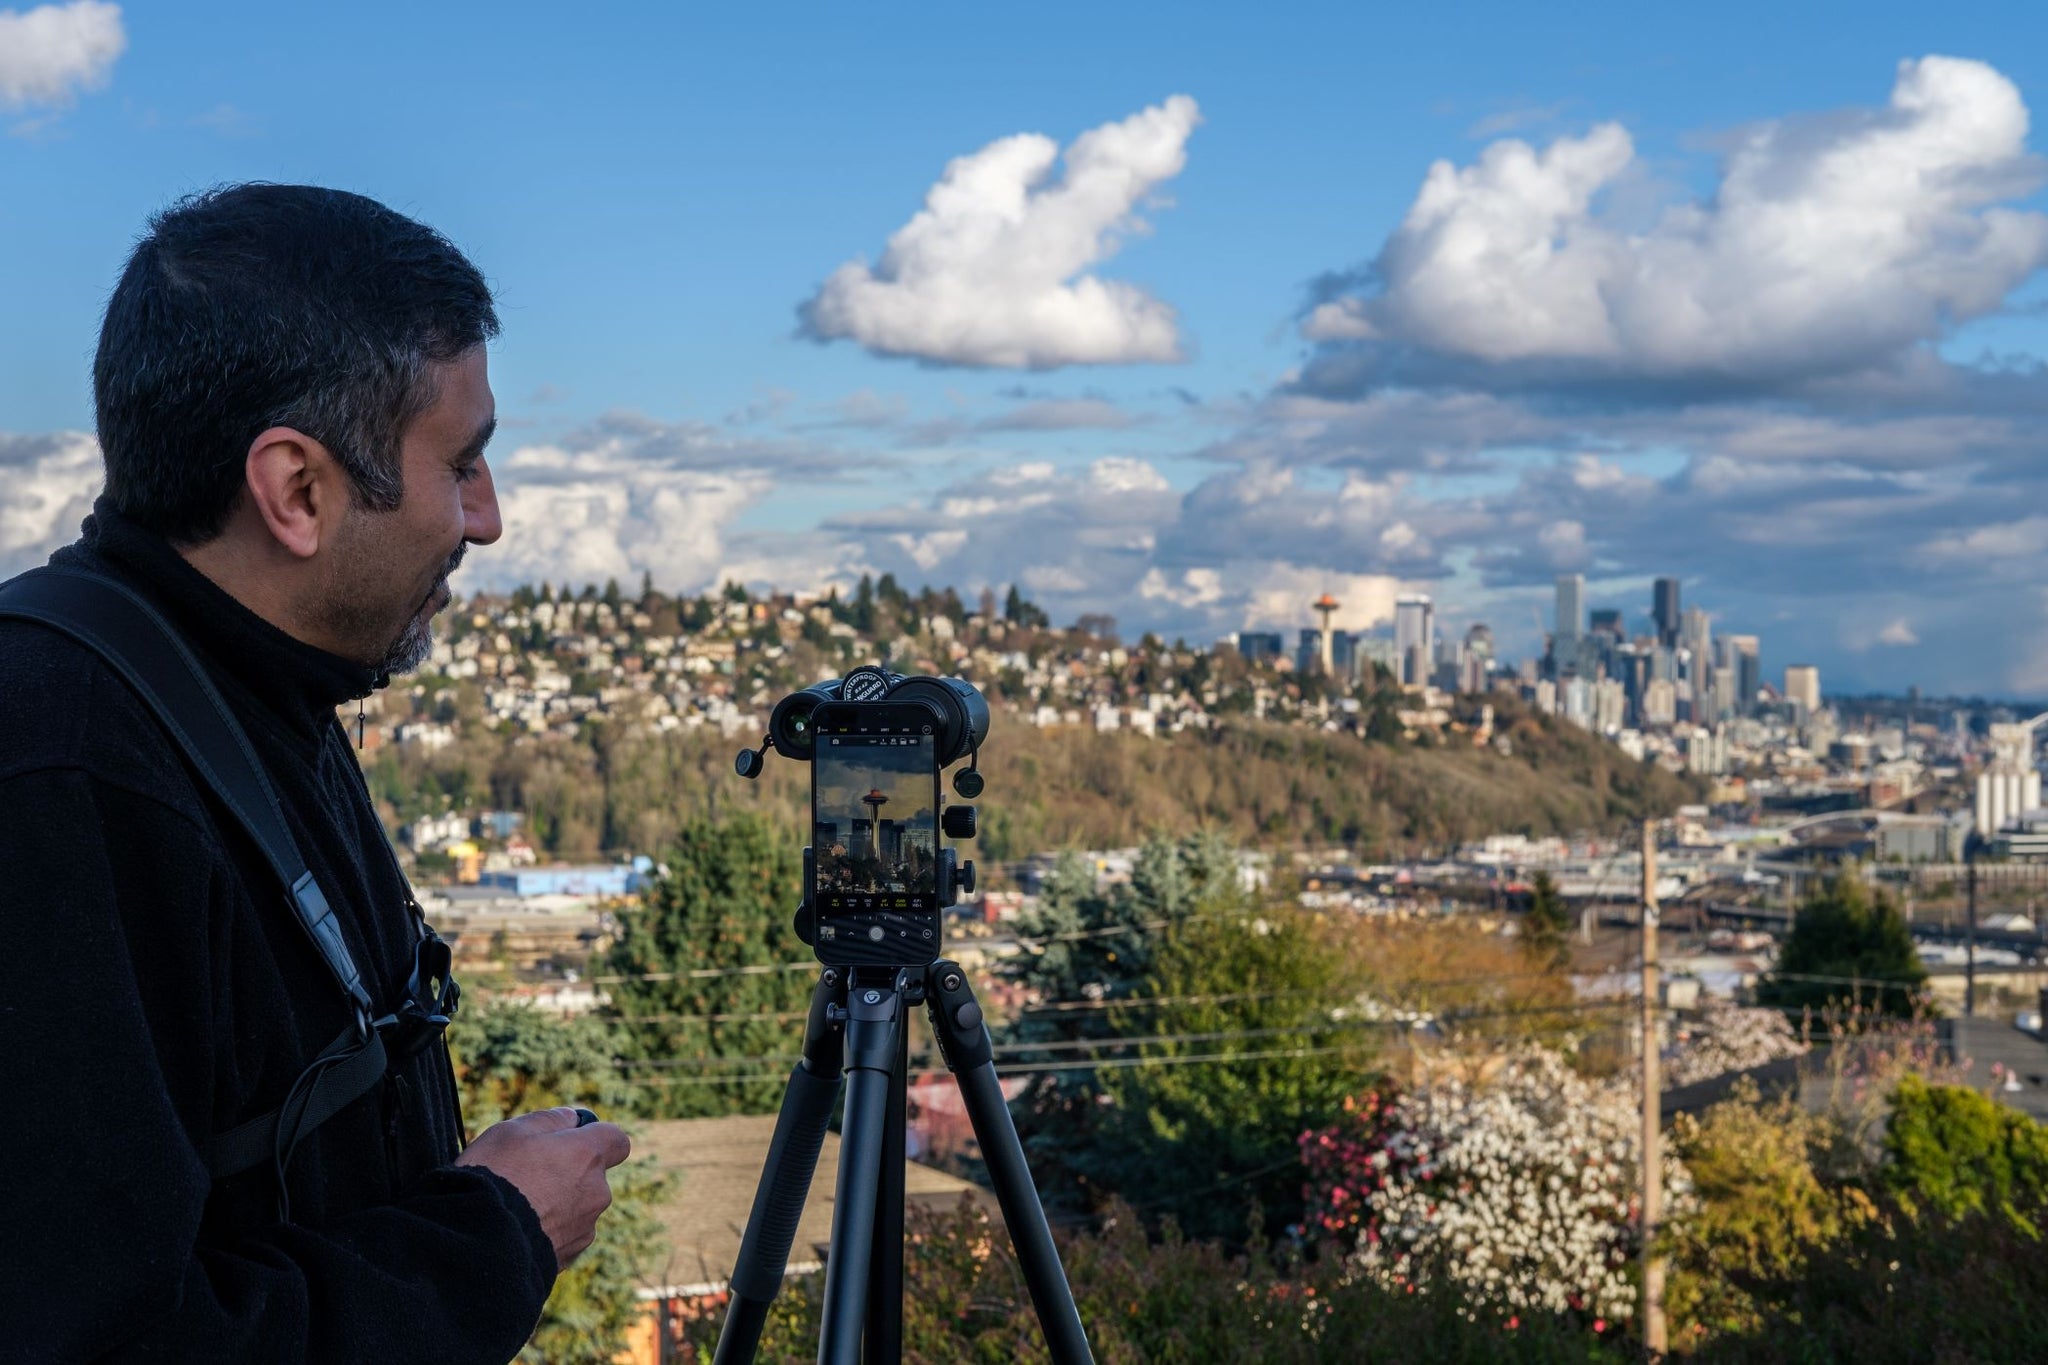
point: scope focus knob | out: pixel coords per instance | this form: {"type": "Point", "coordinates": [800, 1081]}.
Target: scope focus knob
{"type": "Point", "coordinates": [963, 878]}
{"type": "Point", "coordinates": [959, 822]}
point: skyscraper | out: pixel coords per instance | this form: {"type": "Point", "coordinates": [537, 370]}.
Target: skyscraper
{"type": "Point", "coordinates": [1415, 638]}
{"type": "Point", "coordinates": [1571, 612]}
{"type": "Point", "coordinates": [1802, 685]}
{"type": "Point", "coordinates": [1664, 610]}
{"type": "Point", "coordinates": [1741, 654]}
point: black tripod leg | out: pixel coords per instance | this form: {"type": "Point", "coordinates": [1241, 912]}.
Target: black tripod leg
{"type": "Point", "coordinates": [874, 1018]}
{"type": "Point", "coordinates": [885, 1275]}
{"type": "Point", "coordinates": [956, 1020]}
{"type": "Point", "coordinates": [786, 1177]}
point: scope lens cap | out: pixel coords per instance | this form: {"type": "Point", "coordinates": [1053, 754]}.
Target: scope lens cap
{"type": "Point", "coordinates": [968, 783]}
{"type": "Point", "coordinates": [748, 764]}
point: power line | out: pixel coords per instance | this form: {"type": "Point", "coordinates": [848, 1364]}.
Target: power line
{"type": "Point", "coordinates": [1017, 1051]}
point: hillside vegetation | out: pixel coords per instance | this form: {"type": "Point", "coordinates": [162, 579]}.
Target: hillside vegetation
{"type": "Point", "coordinates": [611, 790]}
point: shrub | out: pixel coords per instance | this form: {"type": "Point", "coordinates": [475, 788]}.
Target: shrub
{"type": "Point", "coordinates": [1520, 1191]}
{"type": "Point", "coordinates": [1169, 1302]}
{"type": "Point", "coordinates": [1957, 1152]}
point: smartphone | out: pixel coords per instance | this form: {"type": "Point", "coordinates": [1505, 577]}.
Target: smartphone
{"type": "Point", "coordinates": [874, 862]}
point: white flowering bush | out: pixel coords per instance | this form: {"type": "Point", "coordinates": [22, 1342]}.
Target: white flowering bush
{"type": "Point", "coordinates": [1726, 1037]}
{"type": "Point", "coordinates": [1521, 1191]}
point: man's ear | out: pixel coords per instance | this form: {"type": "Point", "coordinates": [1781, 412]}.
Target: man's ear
{"type": "Point", "coordinates": [297, 487]}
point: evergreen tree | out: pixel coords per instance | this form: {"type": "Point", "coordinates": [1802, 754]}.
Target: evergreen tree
{"type": "Point", "coordinates": [1857, 944]}
{"type": "Point", "coordinates": [613, 598]}
{"type": "Point", "coordinates": [1546, 929]}
{"type": "Point", "coordinates": [1184, 929]}
{"type": "Point", "coordinates": [862, 618]}
{"type": "Point", "coordinates": [723, 903]}
{"type": "Point", "coordinates": [1256, 993]}
{"type": "Point", "coordinates": [647, 590]}
{"type": "Point", "coordinates": [512, 1059]}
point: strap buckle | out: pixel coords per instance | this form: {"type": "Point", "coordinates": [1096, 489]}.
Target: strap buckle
{"type": "Point", "coordinates": [432, 996]}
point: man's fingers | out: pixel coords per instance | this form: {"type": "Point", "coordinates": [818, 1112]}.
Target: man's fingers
{"type": "Point", "coordinates": [548, 1120]}
{"type": "Point", "coordinates": [613, 1144]}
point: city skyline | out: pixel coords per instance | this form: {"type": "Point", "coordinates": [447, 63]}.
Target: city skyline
{"type": "Point", "coordinates": [1180, 336]}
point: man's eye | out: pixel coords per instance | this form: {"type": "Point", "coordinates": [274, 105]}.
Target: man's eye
{"type": "Point", "coordinates": [468, 470]}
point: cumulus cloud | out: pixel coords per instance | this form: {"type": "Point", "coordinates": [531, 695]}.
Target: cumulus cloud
{"type": "Point", "coordinates": [1833, 244]}
{"type": "Point", "coordinates": [994, 270]}
{"type": "Point", "coordinates": [47, 484]}
{"type": "Point", "coordinates": [629, 494]}
{"type": "Point", "coordinates": [50, 53]}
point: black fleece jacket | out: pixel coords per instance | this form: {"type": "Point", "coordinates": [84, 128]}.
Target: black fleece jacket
{"type": "Point", "coordinates": [155, 991]}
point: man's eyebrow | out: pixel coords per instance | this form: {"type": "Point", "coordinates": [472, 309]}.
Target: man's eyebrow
{"type": "Point", "coordinates": [475, 449]}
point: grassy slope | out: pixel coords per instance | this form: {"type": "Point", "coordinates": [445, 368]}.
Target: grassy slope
{"type": "Point", "coordinates": [1281, 786]}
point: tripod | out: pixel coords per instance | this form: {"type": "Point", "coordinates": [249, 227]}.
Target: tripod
{"type": "Point", "coordinates": [859, 1025]}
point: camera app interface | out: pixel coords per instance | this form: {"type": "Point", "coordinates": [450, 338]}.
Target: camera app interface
{"type": "Point", "coordinates": [875, 846]}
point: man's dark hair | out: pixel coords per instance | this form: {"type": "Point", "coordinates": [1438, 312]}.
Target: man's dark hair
{"type": "Point", "coordinates": [254, 306]}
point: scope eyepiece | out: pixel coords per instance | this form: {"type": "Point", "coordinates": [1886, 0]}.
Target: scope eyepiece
{"type": "Point", "coordinates": [962, 712]}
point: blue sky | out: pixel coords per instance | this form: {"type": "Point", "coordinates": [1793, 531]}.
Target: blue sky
{"type": "Point", "coordinates": [1824, 456]}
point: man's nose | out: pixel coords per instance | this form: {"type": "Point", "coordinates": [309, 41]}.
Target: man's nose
{"type": "Point", "coordinates": [481, 523]}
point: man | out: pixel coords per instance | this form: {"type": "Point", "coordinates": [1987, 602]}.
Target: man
{"type": "Point", "coordinates": [293, 404]}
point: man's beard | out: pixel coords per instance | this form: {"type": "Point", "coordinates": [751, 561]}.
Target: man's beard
{"type": "Point", "coordinates": [412, 647]}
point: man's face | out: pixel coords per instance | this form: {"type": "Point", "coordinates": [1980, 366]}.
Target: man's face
{"type": "Point", "coordinates": [390, 569]}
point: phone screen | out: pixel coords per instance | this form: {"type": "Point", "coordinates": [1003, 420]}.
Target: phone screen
{"type": "Point", "coordinates": [875, 811]}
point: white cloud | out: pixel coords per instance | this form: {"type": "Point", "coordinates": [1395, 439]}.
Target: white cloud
{"type": "Point", "coordinates": [993, 270]}
{"type": "Point", "coordinates": [47, 484]}
{"type": "Point", "coordinates": [1898, 632]}
{"type": "Point", "coordinates": [630, 494]}
{"type": "Point", "coordinates": [1833, 243]}
{"type": "Point", "coordinates": [1279, 594]}
{"type": "Point", "coordinates": [612, 519]}
{"type": "Point", "coordinates": [50, 53]}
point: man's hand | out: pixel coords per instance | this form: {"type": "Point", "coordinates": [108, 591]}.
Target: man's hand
{"type": "Point", "coordinates": [559, 1167]}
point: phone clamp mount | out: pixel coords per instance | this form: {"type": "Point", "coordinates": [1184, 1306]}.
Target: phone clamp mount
{"type": "Point", "coordinates": [857, 1037]}
{"type": "Point", "coordinates": [960, 720]}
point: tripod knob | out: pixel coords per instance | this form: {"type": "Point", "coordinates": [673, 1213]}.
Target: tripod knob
{"type": "Point", "coordinates": [959, 822]}
{"type": "Point", "coordinates": [968, 1016]}
{"type": "Point", "coordinates": [963, 878]}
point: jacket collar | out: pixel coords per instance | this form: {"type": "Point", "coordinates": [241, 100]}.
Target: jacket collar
{"type": "Point", "coordinates": [293, 681]}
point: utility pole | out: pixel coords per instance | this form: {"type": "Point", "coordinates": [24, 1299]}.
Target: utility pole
{"type": "Point", "coordinates": [1973, 844]}
{"type": "Point", "coordinates": [1652, 1159]}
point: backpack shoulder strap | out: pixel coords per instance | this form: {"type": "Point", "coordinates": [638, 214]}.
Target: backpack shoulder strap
{"type": "Point", "coordinates": [134, 640]}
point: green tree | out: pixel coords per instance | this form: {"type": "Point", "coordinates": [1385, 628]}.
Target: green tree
{"type": "Point", "coordinates": [512, 1059]}
{"type": "Point", "coordinates": [1847, 946]}
{"type": "Point", "coordinates": [1246, 989]}
{"type": "Point", "coordinates": [595, 1300]}
{"type": "Point", "coordinates": [1958, 1152]}
{"type": "Point", "coordinates": [1761, 1210]}
{"type": "Point", "coordinates": [1248, 1049]}
{"type": "Point", "coordinates": [1546, 929]}
{"type": "Point", "coordinates": [701, 994]}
